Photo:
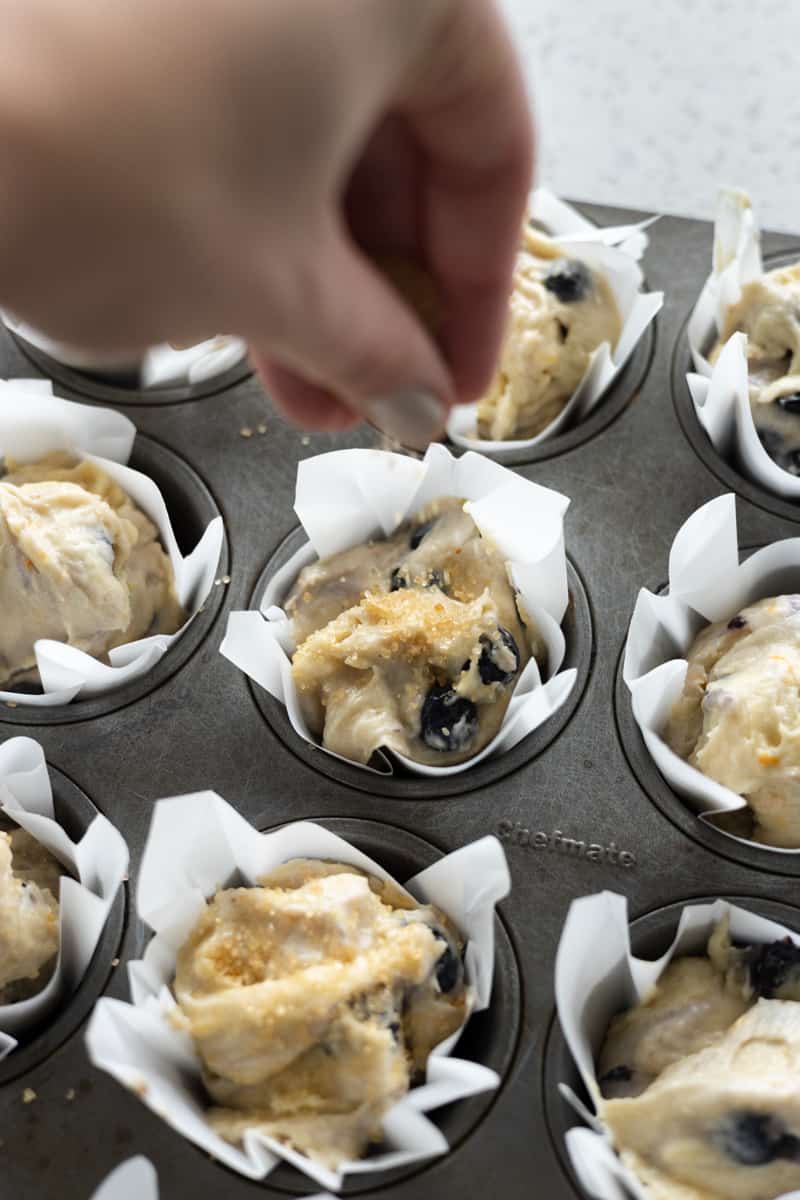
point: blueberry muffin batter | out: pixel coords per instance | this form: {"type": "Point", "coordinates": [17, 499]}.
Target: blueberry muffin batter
{"type": "Point", "coordinates": [699, 1081]}
{"type": "Point", "coordinates": [29, 890]}
{"type": "Point", "coordinates": [79, 563]}
{"type": "Point", "coordinates": [738, 717]}
{"type": "Point", "coordinates": [561, 311]}
{"type": "Point", "coordinates": [769, 313]}
{"type": "Point", "coordinates": [414, 643]}
{"type": "Point", "coordinates": [314, 1001]}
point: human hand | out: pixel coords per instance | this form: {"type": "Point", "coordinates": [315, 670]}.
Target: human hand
{"type": "Point", "coordinates": [191, 166]}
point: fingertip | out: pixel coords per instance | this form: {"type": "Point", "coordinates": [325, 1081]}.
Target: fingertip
{"type": "Point", "coordinates": [473, 335]}
{"type": "Point", "coordinates": [304, 404]}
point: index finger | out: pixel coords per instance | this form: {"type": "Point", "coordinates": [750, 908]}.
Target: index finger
{"type": "Point", "coordinates": [469, 112]}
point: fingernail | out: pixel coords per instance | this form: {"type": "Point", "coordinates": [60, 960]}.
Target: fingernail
{"type": "Point", "coordinates": [414, 419]}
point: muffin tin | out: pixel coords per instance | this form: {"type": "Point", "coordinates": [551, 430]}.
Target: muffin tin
{"type": "Point", "coordinates": [634, 474]}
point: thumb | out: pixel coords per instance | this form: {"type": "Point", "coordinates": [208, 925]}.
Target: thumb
{"type": "Point", "coordinates": [358, 340]}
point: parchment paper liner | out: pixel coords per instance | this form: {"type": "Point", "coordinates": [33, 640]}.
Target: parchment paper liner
{"type": "Point", "coordinates": [721, 394]}
{"type": "Point", "coordinates": [166, 366]}
{"type": "Point", "coordinates": [34, 423]}
{"type": "Point", "coordinates": [613, 252]}
{"type": "Point", "coordinates": [559, 219]}
{"type": "Point", "coordinates": [134, 1179]}
{"type": "Point", "coordinates": [196, 845]}
{"type": "Point", "coordinates": [159, 366]}
{"type": "Point", "coordinates": [706, 583]}
{"type": "Point", "coordinates": [346, 497]}
{"type": "Point", "coordinates": [98, 863]}
{"type": "Point", "coordinates": [596, 977]}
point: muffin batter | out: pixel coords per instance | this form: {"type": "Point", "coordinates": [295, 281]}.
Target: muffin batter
{"type": "Point", "coordinates": [314, 1001]}
{"type": "Point", "coordinates": [700, 1080]}
{"type": "Point", "coordinates": [414, 643]}
{"type": "Point", "coordinates": [560, 313]}
{"type": "Point", "coordinates": [29, 889]}
{"type": "Point", "coordinates": [769, 313]}
{"type": "Point", "coordinates": [738, 717]}
{"type": "Point", "coordinates": [79, 563]}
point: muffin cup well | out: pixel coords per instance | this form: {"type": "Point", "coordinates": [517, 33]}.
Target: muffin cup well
{"type": "Point", "coordinates": [159, 367]}
{"type": "Point", "coordinates": [721, 393]}
{"type": "Point", "coordinates": [40, 423]}
{"type": "Point", "coordinates": [598, 976]}
{"type": "Point", "coordinates": [97, 865]}
{"type": "Point", "coordinates": [348, 496]}
{"type": "Point", "coordinates": [613, 253]}
{"type": "Point", "coordinates": [706, 583]}
{"type": "Point", "coordinates": [139, 1046]}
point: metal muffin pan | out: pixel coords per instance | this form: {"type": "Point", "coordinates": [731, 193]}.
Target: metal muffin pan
{"type": "Point", "coordinates": [199, 726]}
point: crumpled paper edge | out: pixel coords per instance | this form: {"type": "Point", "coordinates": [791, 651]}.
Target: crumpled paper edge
{"type": "Point", "coordinates": [98, 864]}
{"type": "Point", "coordinates": [706, 584]}
{"type": "Point", "coordinates": [166, 366]}
{"type": "Point", "coordinates": [613, 252]}
{"type": "Point", "coordinates": [596, 977]}
{"type": "Point", "coordinates": [559, 219]}
{"type": "Point", "coordinates": [736, 261]}
{"type": "Point", "coordinates": [721, 393]}
{"type": "Point", "coordinates": [347, 496]}
{"type": "Point", "coordinates": [134, 1179]}
{"type": "Point", "coordinates": [197, 844]}
{"type": "Point", "coordinates": [39, 423]}
{"type": "Point", "coordinates": [160, 366]}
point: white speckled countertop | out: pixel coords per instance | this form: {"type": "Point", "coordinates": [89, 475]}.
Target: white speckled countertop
{"type": "Point", "coordinates": [654, 105]}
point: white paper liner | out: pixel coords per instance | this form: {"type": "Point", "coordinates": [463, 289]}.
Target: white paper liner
{"type": "Point", "coordinates": [98, 863]}
{"type": "Point", "coordinates": [561, 220]}
{"type": "Point", "coordinates": [198, 844]}
{"type": "Point", "coordinates": [165, 366]}
{"type": "Point", "coordinates": [736, 261]}
{"type": "Point", "coordinates": [135, 1179]}
{"type": "Point", "coordinates": [612, 252]}
{"type": "Point", "coordinates": [348, 496]}
{"type": "Point", "coordinates": [34, 423]}
{"type": "Point", "coordinates": [706, 583]}
{"type": "Point", "coordinates": [721, 394]}
{"type": "Point", "coordinates": [160, 366]}
{"type": "Point", "coordinates": [596, 977]}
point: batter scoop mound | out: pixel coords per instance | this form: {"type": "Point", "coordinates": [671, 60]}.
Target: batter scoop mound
{"type": "Point", "coordinates": [738, 717]}
{"type": "Point", "coordinates": [413, 643]}
{"type": "Point", "coordinates": [700, 1080]}
{"type": "Point", "coordinates": [79, 563]}
{"type": "Point", "coordinates": [29, 890]}
{"type": "Point", "coordinates": [561, 311]}
{"type": "Point", "coordinates": [314, 1001]}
